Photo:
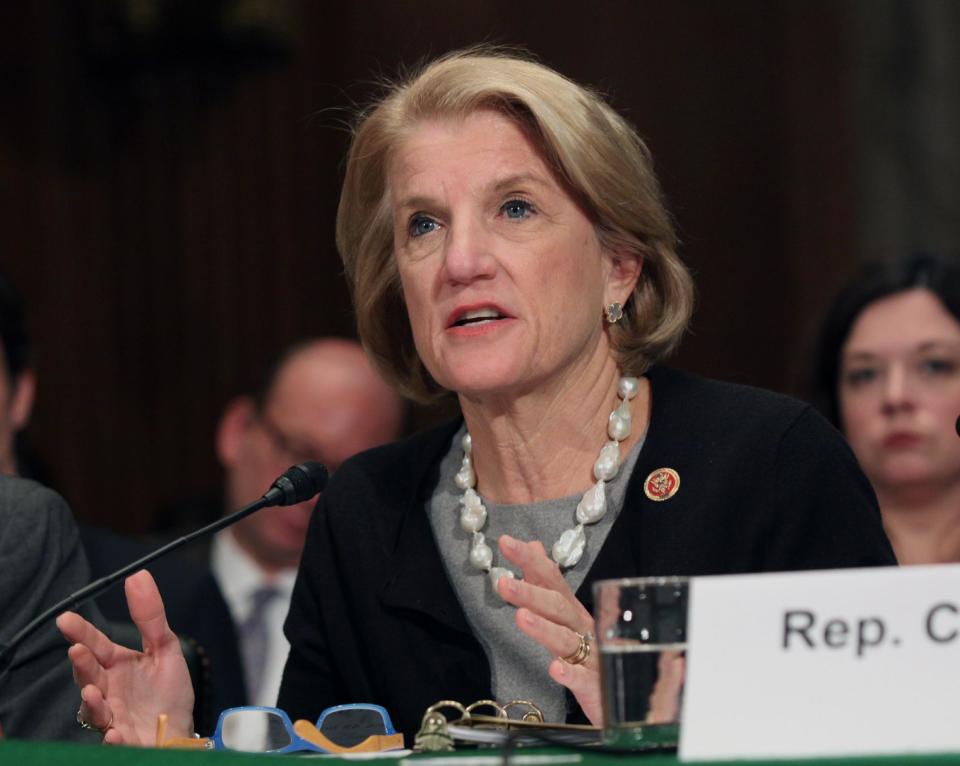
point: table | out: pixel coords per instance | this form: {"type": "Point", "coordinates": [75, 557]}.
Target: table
{"type": "Point", "coordinates": [14, 753]}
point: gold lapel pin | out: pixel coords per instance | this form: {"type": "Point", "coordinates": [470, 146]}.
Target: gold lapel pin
{"type": "Point", "coordinates": [662, 484]}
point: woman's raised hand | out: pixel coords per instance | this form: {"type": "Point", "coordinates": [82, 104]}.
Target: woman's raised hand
{"type": "Point", "coordinates": [123, 690]}
{"type": "Point", "coordinates": [550, 614]}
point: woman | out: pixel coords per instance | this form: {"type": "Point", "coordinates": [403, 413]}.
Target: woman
{"type": "Point", "coordinates": [505, 239]}
{"type": "Point", "coordinates": [888, 375]}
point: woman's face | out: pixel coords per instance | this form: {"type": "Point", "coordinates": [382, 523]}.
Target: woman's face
{"type": "Point", "coordinates": [900, 391]}
{"type": "Point", "coordinates": [503, 275]}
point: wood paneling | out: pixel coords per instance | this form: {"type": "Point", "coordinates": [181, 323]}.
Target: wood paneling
{"type": "Point", "coordinates": [172, 226]}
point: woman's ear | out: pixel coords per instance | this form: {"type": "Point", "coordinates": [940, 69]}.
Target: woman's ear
{"type": "Point", "coordinates": [233, 429]}
{"type": "Point", "coordinates": [21, 399]}
{"type": "Point", "coordinates": [625, 268]}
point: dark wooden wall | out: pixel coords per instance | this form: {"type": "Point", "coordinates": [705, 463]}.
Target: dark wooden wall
{"type": "Point", "coordinates": [168, 213]}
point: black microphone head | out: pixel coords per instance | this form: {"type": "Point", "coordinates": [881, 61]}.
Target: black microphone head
{"type": "Point", "coordinates": [298, 483]}
{"type": "Point", "coordinates": [958, 426]}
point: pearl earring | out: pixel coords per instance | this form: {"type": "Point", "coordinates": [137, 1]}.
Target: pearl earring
{"type": "Point", "coordinates": [613, 313]}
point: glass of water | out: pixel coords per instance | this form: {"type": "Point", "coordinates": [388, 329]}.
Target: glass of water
{"type": "Point", "coordinates": [641, 628]}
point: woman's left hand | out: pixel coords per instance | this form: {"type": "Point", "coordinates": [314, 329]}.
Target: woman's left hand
{"type": "Point", "coordinates": [550, 614]}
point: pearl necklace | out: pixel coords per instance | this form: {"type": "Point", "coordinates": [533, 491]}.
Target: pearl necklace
{"type": "Point", "coordinates": [568, 550]}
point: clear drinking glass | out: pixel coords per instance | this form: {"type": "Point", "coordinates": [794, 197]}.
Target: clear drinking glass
{"type": "Point", "coordinates": [642, 639]}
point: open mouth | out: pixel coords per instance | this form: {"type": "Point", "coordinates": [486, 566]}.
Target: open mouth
{"type": "Point", "coordinates": [477, 317]}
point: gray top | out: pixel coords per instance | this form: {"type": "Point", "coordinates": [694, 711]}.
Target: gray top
{"type": "Point", "coordinates": [518, 664]}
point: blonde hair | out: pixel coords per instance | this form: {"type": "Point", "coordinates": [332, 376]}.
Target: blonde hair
{"type": "Point", "coordinates": [596, 155]}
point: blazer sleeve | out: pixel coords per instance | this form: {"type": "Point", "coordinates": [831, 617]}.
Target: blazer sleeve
{"type": "Point", "coordinates": [823, 513]}
{"type": "Point", "coordinates": [42, 562]}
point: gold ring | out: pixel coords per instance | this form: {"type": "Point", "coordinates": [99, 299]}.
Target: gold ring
{"type": "Point", "coordinates": [582, 652]}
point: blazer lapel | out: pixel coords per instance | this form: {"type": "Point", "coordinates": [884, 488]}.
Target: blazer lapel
{"type": "Point", "coordinates": [419, 581]}
{"type": "Point", "coordinates": [620, 554]}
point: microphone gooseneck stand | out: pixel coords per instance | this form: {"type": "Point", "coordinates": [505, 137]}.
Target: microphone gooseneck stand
{"type": "Point", "coordinates": [298, 483]}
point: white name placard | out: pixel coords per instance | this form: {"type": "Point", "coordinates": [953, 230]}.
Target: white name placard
{"type": "Point", "coordinates": [861, 661]}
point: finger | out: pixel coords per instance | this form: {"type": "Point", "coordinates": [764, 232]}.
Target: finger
{"type": "Point", "coordinates": [94, 709]}
{"type": "Point", "coordinates": [665, 697]}
{"type": "Point", "coordinates": [540, 569]}
{"type": "Point", "coordinates": [556, 607]}
{"type": "Point", "coordinates": [86, 669]}
{"type": "Point", "coordinates": [147, 612]}
{"type": "Point", "coordinates": [72, 626]}
{"type": "Point", "coordinates": [113, 737]}
{"type": "Point", "coordinates": [560, 641]}
{"type": "Point", "coordinates": [79, 631]}
{"type": "Point", "coordinates": [584, 684]}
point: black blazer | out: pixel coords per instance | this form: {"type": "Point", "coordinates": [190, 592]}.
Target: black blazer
{"type": "Point", "coordinates": [766, 484]}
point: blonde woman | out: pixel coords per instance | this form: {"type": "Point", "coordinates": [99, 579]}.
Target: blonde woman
{"type": "Point", "coordinates": [506, 240]}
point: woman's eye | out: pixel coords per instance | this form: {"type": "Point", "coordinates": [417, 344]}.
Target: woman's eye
{"type": "Point", "coordinates": [938, 366]}
{"type": "Point", "coordinates": [861, 376]}
{"type": "Point", "coordinates": [422, 224]}
{"type": "Point", "coordinates": [516, 208]}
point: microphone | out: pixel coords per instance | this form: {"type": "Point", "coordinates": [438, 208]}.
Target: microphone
{"type": "Point", "coordinates": [298, 483]}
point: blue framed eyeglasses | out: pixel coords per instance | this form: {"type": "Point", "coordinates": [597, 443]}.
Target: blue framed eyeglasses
{"type": "Point", "coordinates": [354, 728]}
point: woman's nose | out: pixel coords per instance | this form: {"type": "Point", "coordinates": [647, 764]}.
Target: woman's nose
{"type": "Point", "coordinates": [468, 254]}
{"type": "Point", "coordinates": [898, 391]}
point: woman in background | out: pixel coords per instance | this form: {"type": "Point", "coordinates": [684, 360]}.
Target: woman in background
{"type": "Point", "coordinates": [888, 375]}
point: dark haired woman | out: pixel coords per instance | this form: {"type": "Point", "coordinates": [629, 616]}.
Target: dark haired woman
{"type": "Point", "coordinates": [888, 375]}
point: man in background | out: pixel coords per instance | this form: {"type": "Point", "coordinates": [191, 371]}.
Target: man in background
{"type": "Point", "coordinates": [324, 401]}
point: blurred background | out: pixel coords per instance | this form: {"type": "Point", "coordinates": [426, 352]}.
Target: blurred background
{"type": "Point", "coordinates": [169, 174]}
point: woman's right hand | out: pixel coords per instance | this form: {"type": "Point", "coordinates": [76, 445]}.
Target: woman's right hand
{"type": "Point", "coordinates": [123, 690]}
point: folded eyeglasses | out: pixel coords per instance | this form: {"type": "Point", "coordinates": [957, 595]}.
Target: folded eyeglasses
{"type": "Point", "coordinates": [355, 728]}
